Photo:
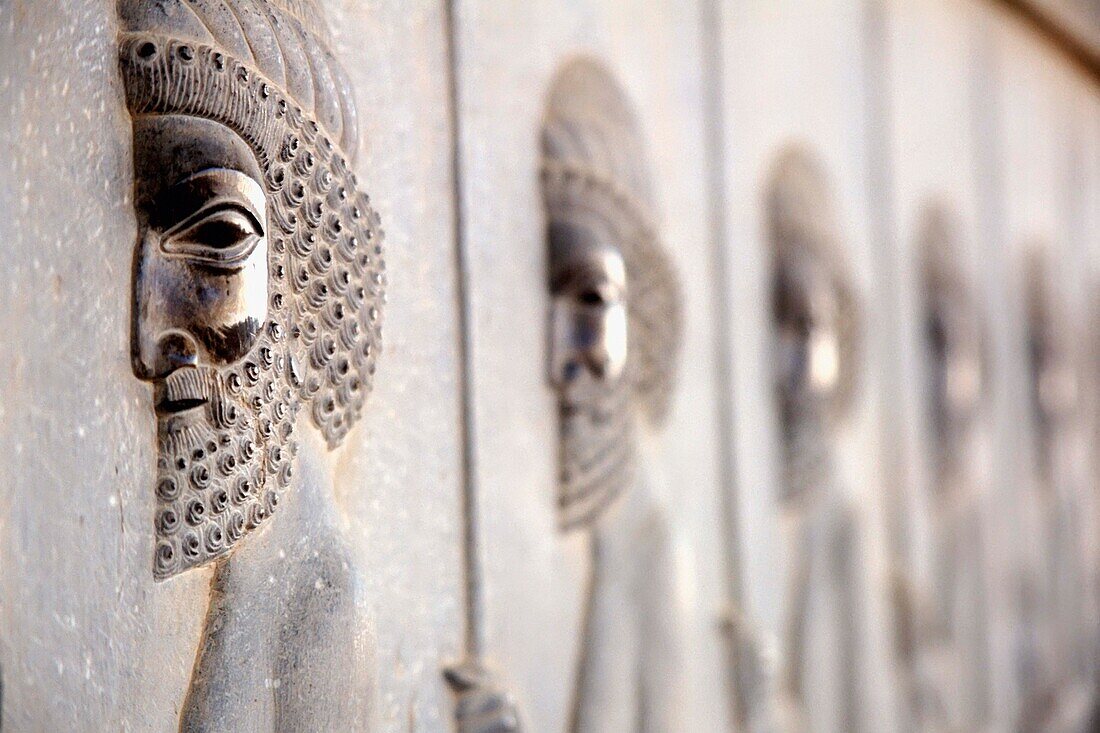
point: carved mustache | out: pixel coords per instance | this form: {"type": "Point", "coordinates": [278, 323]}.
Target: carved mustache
{"type": "Point", "coordinates": [184, 388]}
{"type": "Point", "coordinates": [191, 387]}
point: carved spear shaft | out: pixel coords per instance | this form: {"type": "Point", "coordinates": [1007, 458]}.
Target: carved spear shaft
{"type": "Point", "coordinates": [472, 563]}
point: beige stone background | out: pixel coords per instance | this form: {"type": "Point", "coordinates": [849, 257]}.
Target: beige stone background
{"type": "Point", "coordinates": [962, 101]}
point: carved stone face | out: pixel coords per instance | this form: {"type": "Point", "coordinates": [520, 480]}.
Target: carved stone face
{"type": "Point", "coordinates": [811, 353]}
{"type": "Point", "coordinates": [954, 345]}
{"type": "Point", "coordinates": [257, 287]}
{"type": "Point", "coordinates": [200, 304]}
{"type": "Point", "coordinates": [614, 321]}
{"type": "Point", "coordinates": [588, 365]}
{"type": "Point", "coordinates": [808, 336]}
{"type": "Point", "coordinates": [588, 339]}
{"type": "Point", "coordinates": [1053, 380]}
{"type": "Point", "coordinates": [201, 268]}
{"type": "Point", "coordinates": [815, 333]}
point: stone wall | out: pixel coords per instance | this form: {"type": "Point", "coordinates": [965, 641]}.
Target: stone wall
{"type": "Point", "coordinates": [870, 603]}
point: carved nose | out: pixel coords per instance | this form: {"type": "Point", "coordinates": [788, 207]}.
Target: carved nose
{"type": "Point", "coordinates": [170, 352]}
{"type": "Point", "coordinates": [599, 362]}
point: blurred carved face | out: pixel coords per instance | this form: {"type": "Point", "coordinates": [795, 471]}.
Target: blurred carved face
{"type": "Point", "coordinates": [807, 346]}
{"type": "Point", "coordinates": [1053, 385]}
{"type": "Point", "coordinates": [588, 342]}
{"type": "Point", "coordinates": [588, 367]}
{"type": "Point", "coordinates": [953, 342]}
{"type": "Point", "coordinates": [200, 304]}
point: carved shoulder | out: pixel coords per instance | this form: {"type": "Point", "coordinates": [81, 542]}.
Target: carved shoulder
{"type": "Point", "coordinates": [322, 661]}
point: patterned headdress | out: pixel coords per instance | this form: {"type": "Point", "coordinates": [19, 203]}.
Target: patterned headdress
{"type": "Point", "coordinates": [285, 41]}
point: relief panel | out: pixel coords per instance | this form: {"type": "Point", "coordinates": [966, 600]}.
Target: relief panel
{"type": "Point", "coordinates": [939, 419]}
{"type": "Point", "coordinates": [1037, 231]}
{"type": "Point", "coordinates": [615, 329]}
{"type": "Point", "coordinates": [1058, 647]}
{"type": "Point", "coordinates": [546, 537]}
{"type": "Point", "coordinates": [943, 625]}
{"type": "Point", "coordinates": [1086, 237]}
{"type": "Point", "coordinates": [254, 479]}
{"type": "Point", "coordinates": [258, 283]}
{"type": "Point", "coordinates": [817, 322]}
{"type": "Point", "coordinates": [810, 64]}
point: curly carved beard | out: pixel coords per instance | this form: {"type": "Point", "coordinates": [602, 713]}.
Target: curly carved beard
{"type": "Point", "coordinates": [221, 464]}
{"type": "Point", "coordinates": [597, 460]}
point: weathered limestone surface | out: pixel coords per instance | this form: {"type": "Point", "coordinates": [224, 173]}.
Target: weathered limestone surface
{"type": "Point", "coordinates": [88, 641]}
{"type": "Point", "coordinates": [905, 104]}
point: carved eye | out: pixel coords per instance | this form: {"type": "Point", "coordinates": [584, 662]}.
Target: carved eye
{"type": "Point", "coordinates": [591, 296]}
{"type": "Point", "coordinates": [223, 235]}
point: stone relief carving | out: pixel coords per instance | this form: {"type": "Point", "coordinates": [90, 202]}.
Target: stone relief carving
{"type": "Point", "coordinates": [943, 636]}
{"type": "Point", "coordinates": [614, 330]}
{"type": "Point", "coordinates": [816, 352]}
{"type": "Point", "coordinates": [954, 341]}
{"type": "Point", "coordinates": [614, 338]}
{"type": "Point", "coordinates": [1053, 663]}
{"type": "Point", "coordinates": [258, 285]}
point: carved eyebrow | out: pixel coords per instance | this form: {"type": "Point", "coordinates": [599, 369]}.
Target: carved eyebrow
{"type": "Point", "coordinates": [201, 191]}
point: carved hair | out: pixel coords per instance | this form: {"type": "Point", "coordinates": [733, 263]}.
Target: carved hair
{"type": "Point", "coordinates": [938, 242]}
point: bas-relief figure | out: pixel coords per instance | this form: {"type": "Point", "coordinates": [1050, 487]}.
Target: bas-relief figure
{"type": "Point", "coordinates": [1091, 431]}
{"type": "Point", "coordinates": [816, 350]}
{"type": "Point", "coordinates": [1054, 664]}
{"type": "Point", "coordinates": [614, 338]}
{"type": "Point", "coordinates": [614, 333]}
{"type": "Point", "coordinates": [257, 287]}
{"type": "Point", "coordinates": [942, 633]}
